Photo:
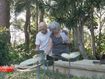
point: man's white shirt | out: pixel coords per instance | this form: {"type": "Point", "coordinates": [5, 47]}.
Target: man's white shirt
{"type": "Point", "coordinates": [42, 40]}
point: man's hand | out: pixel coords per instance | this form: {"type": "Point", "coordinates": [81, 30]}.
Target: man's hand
{"type": "Point", "coordinates": [37, 47]}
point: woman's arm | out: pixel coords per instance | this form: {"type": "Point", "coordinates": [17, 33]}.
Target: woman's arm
{"type": "Point", "coordinates": [48, 51]}
{"type": "Point", "coordinates": [65, 38]}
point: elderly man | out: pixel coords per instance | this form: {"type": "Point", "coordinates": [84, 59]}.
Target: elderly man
{"type": "Point", "coordinates": [42, 37]}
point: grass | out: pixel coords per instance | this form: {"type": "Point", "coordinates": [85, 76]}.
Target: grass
{"type": "Point", "coordinates": [32, 75]}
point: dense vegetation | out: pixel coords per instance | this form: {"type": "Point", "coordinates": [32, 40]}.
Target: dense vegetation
{"type": "Point", "coordinates": [85, 20]}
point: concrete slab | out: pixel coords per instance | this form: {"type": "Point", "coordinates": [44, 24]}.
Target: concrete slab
{"type": "Point", "coordinates": [82, 68]}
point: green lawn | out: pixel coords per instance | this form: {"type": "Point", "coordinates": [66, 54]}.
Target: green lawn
{"type": "Point", "coordinates": [32, 75]}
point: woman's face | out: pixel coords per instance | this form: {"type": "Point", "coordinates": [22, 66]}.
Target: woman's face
{"type": "Point", "coordinates": [55, 31]}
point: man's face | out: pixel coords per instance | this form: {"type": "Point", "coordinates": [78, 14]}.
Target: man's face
{"type": "Point", "coordinates": [42, 28]}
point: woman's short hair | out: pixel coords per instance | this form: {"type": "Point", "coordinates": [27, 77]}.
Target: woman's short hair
{"type": "Point", "coordinates": [54, 26]}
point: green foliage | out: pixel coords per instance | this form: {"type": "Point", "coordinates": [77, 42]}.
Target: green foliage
{"type": "Point", "coordinates": [100, 45]}
{"type": "Point", "coordinates": [21, 5]}
{"type": "Point", "coordinates": [90, 55]}
{"type": "Point", "coordinates": [33, 33]}
{"type": "Point", "coordinates": [69, 12]}
{"type": "Point", "coordinates": [17, 54]}
{"type": "Point", "coordinates": [4, 49]}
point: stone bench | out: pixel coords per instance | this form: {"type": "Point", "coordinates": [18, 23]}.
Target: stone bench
{"type": "Point", "coordinates": [82, 68]}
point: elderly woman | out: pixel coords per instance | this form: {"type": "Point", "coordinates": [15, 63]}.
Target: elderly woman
{"type": "Point", "coordinates": [58, 42]}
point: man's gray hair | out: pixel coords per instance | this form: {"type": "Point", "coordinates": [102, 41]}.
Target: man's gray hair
{"type": "Point", "coordinates": [54, 26]}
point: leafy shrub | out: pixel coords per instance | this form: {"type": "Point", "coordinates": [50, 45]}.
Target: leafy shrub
{"type": "Point", "coordinates": [4, 50]}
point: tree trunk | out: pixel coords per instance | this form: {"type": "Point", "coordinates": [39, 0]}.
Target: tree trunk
{"type": "Point", "coordinates": [4, 13]}
{"type": "Point", "coordinates": [75, 38]}
{"type": "Point", "coordinates": [26, 29]}
{"type": "Point", "coordinates": [41, 14]}
{"type": "Point", "coordinates": [101, 23]}
{"type": "Point", "coordinates": [81, 39]}
{"type": "Point", "coordinates": [5, 35]}
{"type": "Point", "coordinates": [5, 16]}
{"type": "Point", "coordinates": [93, 41]}
{"type": "Point", "coordinates": [92, 32]}
{"type": "Point", "coordinates": [37, 12]}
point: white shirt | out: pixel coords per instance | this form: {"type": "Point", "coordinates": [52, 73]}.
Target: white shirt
{"type": "Point", "coordinates": [42, 40]}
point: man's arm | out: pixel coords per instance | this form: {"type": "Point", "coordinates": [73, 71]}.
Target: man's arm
{"type": "Point", "coordinates": [37, 47]}
{"type": "Point", "coordinates": [37, 42]}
